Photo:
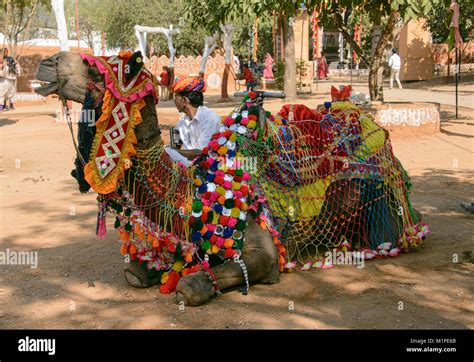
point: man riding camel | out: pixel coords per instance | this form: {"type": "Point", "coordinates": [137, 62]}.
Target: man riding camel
{"type": "Point", "coordinates": [197, 124]}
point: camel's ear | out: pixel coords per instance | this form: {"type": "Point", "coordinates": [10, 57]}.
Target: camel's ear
{"type": "Point", "coordinates": [135, 65]}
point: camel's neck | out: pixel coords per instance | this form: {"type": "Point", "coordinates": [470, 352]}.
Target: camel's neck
{"type": "Point", "coordinates": [158, 186]}
{"type": "Point", "coordinates": [148, 132]}
{"type": "Point", "coordinates": [161, 188]}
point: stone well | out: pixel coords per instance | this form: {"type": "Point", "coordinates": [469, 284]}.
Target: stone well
{"type": "Point", "coordinates": [405, 120]}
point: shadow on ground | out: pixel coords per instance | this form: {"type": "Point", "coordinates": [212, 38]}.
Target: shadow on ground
{"type": "Point", "coordinates": [79, 282]}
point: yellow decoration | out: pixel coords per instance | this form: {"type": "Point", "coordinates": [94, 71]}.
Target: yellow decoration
{"type": "Point", "coordinates": [164, 277]}
{"type": "Point", "coordinates": [222, 151]}
{"type": "Point", "coordinates": [373, 136]}
{"type": "Point", "coordinates": [178, 266]}
{"type": "Point", "coordinates": [235, 213]}
{"type": "Point", "coordinates": [302, 202]}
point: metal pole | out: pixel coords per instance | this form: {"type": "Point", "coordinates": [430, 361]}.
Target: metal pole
{"type": "Point", "coordinates": [350, 56]}
{"type": "Point", "coordinates": [457, 77]}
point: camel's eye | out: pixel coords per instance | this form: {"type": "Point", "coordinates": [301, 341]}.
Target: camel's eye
{"type": "Point", "coordinates": [94, 74]}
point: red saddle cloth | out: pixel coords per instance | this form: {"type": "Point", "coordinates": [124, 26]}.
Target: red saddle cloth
{"type": "Point", "coordinates": [115, 140]}
{"type": "Point", "coordinates": [313, 144]}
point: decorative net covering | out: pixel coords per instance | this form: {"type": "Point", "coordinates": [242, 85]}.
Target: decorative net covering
{"type": "Point", "coordinates": [331, 181]}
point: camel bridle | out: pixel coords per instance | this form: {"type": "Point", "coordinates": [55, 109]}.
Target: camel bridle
{"type": "Point", "coordinates": [91, 85]}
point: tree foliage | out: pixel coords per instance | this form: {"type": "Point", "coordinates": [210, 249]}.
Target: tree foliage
{"type": "Point", "coordinates": [18, 15]}
{"type": "Point", "coordinates": [438, 20]}
{"type": "Point", "coordinates": [390, 15]}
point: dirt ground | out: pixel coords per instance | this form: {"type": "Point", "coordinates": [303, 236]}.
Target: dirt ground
{"type": "Point", "coordinates": [79, 282]}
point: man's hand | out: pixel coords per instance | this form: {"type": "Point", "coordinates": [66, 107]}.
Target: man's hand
{"type": "Point", "coordinates": [190, 154]}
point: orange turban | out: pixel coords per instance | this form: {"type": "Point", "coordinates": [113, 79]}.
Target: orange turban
{"type": "Point", "coordinates": [189, 84]}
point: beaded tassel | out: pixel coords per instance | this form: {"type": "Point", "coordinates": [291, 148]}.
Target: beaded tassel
{"type": "Point", "coordinates": [101, 229]}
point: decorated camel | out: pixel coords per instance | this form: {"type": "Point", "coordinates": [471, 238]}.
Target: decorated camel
{"type": "Point", "coordinates": [267, 194]}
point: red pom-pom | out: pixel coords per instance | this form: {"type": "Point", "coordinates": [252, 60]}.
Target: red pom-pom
{"type": "Point", "coordinates": [244, 190]}
{"type": "Point", "coordinates": [227, 134]}
{"type": "Point", "coordinates": [213, 239]}
{"type": "Point", "coordinates": [252, 95]}
{"type": "Point", "coordinates": [252, 117]}
{"type": "Point", "coordinates": [229, 253]}
{"type": "Point", "coordinates": [205, 150]}
{"type": "Point", "coordinates": [223, 220]}
{"type": "Point", "coordinates": [231, 171]}
{"type": "Point", "coordinates": [216, 146]}
{"type": "Point", "coordinates": [172, 281]}
{"type": "Point", "coordinates": [238, 203]}
{"type": "Point", "coordinates": [219, 180]}
{"type": "Point", "coordinates": [164, 289]}
{"type": "Point", "coordinates": [238, 178]}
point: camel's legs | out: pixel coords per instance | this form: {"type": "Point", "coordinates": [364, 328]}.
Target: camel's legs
{"type": "Point", "coordinates": [260, 257]}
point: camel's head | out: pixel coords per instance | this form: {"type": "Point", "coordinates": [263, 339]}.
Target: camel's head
{"type": "Point", "coordinates": [72, 78]}
{"type": "Point", "coordinates": [66, 75]}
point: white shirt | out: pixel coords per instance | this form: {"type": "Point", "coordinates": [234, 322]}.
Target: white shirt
{"type": "Point", "coordinates": [394, 61]}
{"type": "Point", "coordinates": [236, 64]}
{"type": "Point", "coordinates": [197, 132]}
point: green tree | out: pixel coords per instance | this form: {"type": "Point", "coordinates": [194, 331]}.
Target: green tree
{"type": "Point", "coordinates": [438, 20]}
{"type": "Point", "coordinates": [123, 15]}
{"type": "Point", "coordinates": [211, 13]}
{"type": "Point", "coordinates": [18, 15]}
{"type": "Point", "coordinates": [390, 15]}
{"type": "Point", "coordinates": [92, 17]}
{"type": "Point", "coordinates": [284, 10]}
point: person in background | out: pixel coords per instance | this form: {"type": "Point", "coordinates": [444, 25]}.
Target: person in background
{"type": "Point", "coordinates": [268, 70]}
{"type": "Point", "coordinates": [197, 123]}
{"type": "Point", "coordinates": [8, 76]}
{"type": "Point", "coordinates": [164, 82]}
{"type": "Point", "coordinates": [394, 63]}
{"type": "Point", "coordinates": [236, 65]}
{"type": "Point", "coordinates": [322, 67]}
{"type": "Point", "coordinates": [249, 79]}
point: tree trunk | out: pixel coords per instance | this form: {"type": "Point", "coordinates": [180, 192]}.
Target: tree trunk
{"type": "Point", "coordinates": [170, 83]}
{"type": "Point", "coordinates": [58, 8]}
{"type": "Point", "coordinates": [384, 46]}
{"type": "Point", "coordinates": [225, 78]}
{"type": "Point", "coordinates": [290, 60]}
{"type": "Point", "coordinates": [209, 46]}
{"type": "Point", "coordinates": [227, 30]}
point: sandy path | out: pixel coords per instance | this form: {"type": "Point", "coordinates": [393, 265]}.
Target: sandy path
{"type": "Point", "coordinates": [79, 283]}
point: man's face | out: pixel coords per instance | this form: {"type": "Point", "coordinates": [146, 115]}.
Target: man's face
{"type": "Point", "coordinates": [180, 102]}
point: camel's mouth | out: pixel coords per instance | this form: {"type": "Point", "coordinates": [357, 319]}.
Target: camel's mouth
{"type": "Point", "coordinates": [47, 78]}
{"type": "Point", "coordinates": [46, 88]}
